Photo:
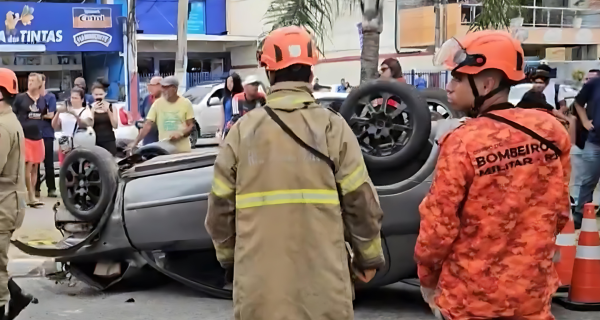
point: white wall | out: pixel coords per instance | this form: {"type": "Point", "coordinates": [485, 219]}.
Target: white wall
{"type": "Point", "coordinates": [245, 18]}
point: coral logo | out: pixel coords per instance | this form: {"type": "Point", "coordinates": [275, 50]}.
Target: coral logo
{"type": "Point", "coordinates": [92, 18]}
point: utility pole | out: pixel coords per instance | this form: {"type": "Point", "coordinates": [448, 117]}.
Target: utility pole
{"type": "Point", "coordinates": [131, 63]}
{"type": "Point", "coordinates": [181, 55]}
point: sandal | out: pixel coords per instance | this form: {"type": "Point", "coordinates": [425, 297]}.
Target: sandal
{"type": "Point", "coordinates": [35, 204]}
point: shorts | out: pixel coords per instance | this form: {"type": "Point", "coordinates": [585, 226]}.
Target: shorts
{"type": "Point", "coordinates": [34, 151]}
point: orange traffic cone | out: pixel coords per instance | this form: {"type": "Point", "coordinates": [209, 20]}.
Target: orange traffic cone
{"type": "Point", "coordinates": [567, 244]}
{"type": "Point", "coordinates": [584, 294]}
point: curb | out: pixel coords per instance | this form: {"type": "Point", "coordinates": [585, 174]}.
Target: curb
{"type": "Point", "coordinates": [31, 268]}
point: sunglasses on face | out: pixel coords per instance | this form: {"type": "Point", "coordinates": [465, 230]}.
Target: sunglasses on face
{"type": "Point", "coordinates": [383, 69]}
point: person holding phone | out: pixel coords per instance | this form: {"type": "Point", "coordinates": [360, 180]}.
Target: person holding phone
{"type": "Point", "coordinates": [68, 119]}
{"type": "Point", "coordinates": [105, 118]}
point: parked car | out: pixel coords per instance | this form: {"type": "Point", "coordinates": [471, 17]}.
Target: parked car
{"type": "Point", "coordinates": [517, 92]}
{"type": "Point", "coordinates": [207, 101]}
{"type": "Point", "coordinates": [119, 221]}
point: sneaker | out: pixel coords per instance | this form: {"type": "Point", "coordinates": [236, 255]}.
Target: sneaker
{"type": "Point", "coordinates": [52, 194]}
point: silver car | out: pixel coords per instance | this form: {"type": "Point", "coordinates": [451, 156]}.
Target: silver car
{"type": "Point", "coordinates": [147, 212]}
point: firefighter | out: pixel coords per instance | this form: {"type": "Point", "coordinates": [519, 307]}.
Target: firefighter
{"type": "Point", "coordinates": [12, 192]}
{"type": "Point", "coordinates": [289, 182]}
{"type": "Point", "coordinates": [499, 195]}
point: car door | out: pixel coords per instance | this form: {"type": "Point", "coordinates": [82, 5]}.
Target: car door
{"type": "Point", "coordinates": [211, 113]}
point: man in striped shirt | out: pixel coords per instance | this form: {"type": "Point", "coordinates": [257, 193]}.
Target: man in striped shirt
{"type": "Point", "coordinates": [246, 101]}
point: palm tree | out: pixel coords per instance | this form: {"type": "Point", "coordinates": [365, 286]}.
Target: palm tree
{"type": "Point", "coordinates": [319, 16]}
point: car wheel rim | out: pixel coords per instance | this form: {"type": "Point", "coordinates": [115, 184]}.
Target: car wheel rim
{"type": "Point", "coordinates": [84, 184]}
{"type": "Point", "coordinates": [439, 109]}
{"type": "Point", "coordinates": [381, 130]}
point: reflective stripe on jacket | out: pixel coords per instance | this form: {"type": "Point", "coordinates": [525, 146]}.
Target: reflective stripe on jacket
{"type": "Point", "coordinates": [275, 212]}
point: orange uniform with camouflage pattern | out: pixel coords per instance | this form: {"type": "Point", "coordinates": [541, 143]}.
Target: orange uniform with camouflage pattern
{"type": "Point", "coordinates": [489, 223]}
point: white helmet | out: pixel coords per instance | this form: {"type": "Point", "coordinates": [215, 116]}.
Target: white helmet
{"type": "Point", "coordinates": [84, 138]}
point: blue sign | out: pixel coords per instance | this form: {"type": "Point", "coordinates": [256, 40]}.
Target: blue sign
{"type": "Point", "coordinates": [196, 19]}
{"type": "Point", "coordinates": [160, 17]}
{"type": "Point", "coordinates": [62, 26]}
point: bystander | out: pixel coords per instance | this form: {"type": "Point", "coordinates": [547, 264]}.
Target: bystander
{"type": "Point", "coordinates": [587, 105]}
{"type": "Point", "coordinates": [48, 137]}
{"type": "Point", "coordinates": [173, 116]}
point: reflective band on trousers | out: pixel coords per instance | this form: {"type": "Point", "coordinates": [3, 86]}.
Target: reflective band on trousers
{"type": "Point", "coordinates": [588, 252]}
{"type": "Point", "coordinates": [257, 199]}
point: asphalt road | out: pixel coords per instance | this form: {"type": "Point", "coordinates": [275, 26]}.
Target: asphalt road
{"type": "Point", "coordinates": [172, 301]}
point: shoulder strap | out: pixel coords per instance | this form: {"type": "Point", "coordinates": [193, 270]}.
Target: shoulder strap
{"type": "Point", "coordinates": [528, 131]}
{"type": "Point", "coordinates": [76, 127]}
{"type": "Point", "coordinates": [556, 89]}
{"type": "Point", "coordinates": [299, 141]}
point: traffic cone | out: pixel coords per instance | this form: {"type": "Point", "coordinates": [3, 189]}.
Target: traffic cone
{"type": "Point", "coordinates": [567, 244]}
{"type": "Point", "coordinates": [584, 294]}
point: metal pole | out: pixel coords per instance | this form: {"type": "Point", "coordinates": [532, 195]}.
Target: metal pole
{"type": "Point", "coordinates": [437, 10]}
{"type": "Point", "coordinates": [133, 92]}
{"type": "Point", "coordinates": [181, 55]}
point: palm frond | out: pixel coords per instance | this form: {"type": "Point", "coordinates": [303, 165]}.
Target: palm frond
{"type": "Point", "coordinates": [317, 16]}
{"type": "Point", "coordinates": [495, 14]}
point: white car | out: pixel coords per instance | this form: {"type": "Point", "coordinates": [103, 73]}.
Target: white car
{"type": "Point", "coordinates": [207, 101]}
{"type": "Point", "coordinates": [517, 92]}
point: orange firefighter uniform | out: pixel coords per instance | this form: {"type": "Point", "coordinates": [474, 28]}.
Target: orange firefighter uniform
{"type": "Point", "coordinates": [498, 199]}
{"type": "Point", "coordinates": [275, 211]}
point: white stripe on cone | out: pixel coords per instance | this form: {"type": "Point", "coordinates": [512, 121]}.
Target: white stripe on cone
{"type": "Point", "coordinates": [589, 225]}
{"type": "Point", "coordinates": [566, 240]}
{"type": "Point", "coordinates": [588, 252]}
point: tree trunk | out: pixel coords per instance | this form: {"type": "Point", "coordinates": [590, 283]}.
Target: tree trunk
{"type": "Point", "coordinates": [369, 57]}
{"type": "Point", "coordinates": [181, 55]}
{"type": "Point", "coordinates": [372, 25]}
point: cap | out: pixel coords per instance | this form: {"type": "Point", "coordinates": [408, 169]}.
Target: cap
{"type": "Point", "coordinates": [251, 80]}
{"type": "Point", "coordinates": [169, 81]}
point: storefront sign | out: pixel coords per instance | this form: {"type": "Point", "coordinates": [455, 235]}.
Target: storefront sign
{"type": "Point", "coordinates": [95, 18]}
{"type": "Point", "coordinates": [61, 26]}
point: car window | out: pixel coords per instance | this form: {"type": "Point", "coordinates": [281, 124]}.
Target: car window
{"type": "Point", "coordinates": [219, 94]}
{"type": "Point", "coordinates": [196, 94]}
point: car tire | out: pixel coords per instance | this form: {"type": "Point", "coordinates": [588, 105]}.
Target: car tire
{"type": "Point", "coordinates": [194, 136]}
{"type": "Point", "coordinates": [156, 149]}
{"type": "Point", "coordinates": [439, 97]}
{"type": "Point", "coordinates": [417, 108]}
{"type": "Point", "coordinates": [107, 172]}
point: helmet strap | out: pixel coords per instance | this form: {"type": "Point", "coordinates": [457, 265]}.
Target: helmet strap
{"type": "Point", "coordinates": [479, 100]}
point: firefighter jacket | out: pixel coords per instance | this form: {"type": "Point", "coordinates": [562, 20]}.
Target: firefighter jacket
{"type": "Point", "coordinates": [12, 172]}
{"type": "Point", "coordinates": [276, 214]}
{"type": "Point", "coordinates": [489, 223]}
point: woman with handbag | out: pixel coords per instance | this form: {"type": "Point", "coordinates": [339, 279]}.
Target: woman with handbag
{"type": "Point", "coordinates": [71, 119]}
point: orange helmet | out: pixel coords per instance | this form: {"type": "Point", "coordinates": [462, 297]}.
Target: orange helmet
{"type": "Point", "coordinates": [8, 80]}
{"type": "Point", "coordinates": [287, 46]}
{"type": "Point", "coordinates": [482, 50]}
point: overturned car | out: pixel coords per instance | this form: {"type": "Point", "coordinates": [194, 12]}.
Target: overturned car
{"type": "Point", "coordinates": [147, 211]}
